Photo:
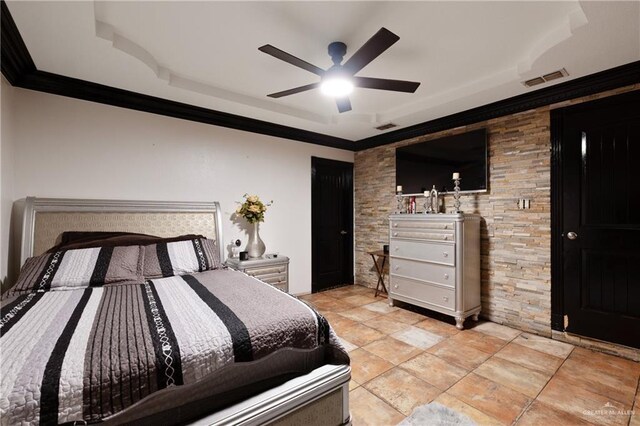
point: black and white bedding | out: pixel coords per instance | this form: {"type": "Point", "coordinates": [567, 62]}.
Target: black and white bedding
{"type": "Point", "coordinates": [91, 352]}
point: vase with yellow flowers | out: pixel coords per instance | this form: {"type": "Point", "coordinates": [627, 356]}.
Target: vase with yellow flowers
{"type": "Point", "coordinates": [253, 210]}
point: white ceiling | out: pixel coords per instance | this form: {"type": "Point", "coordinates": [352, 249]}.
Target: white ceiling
{"type": "Point", "coordinates": [466, 54]}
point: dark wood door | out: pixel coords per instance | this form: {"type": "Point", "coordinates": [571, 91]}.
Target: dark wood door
{"type": "Point", "coordinates": [331, 223]}
{"type": "Point", "coordinates": [601, 219]}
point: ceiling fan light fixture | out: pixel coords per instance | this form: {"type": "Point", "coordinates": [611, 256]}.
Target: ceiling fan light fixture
{"type": "Point", "coordinates": [340, 79]}
{"type": "Point", "coordinates": [336, 87]}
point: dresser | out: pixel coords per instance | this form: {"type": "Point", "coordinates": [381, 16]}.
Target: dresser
{"type": "Point", "coordinates": [435, 263]}
{"type": "Point", "coordinates": [271, 270]}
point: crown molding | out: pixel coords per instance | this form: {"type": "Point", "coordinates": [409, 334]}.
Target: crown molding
{"type": "Point", "coordinates": [81, 89]}
{"type": "Point", "coordinates": [584, 86]}
{"type": "Point", "coordinates": [15, 61]}
{"type": "Point", "coordinates": [19, 69]}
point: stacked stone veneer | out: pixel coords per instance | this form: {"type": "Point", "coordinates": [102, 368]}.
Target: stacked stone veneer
{"type": "Point", "coordinates": [516, 253]}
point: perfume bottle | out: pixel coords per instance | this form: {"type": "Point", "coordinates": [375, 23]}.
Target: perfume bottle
{"type": "Point", "coordinates": [412, 204]}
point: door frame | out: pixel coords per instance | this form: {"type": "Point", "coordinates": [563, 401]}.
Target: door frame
{"type": "Point", "coordinates": [557, 236]}
{"type": "Point", "coordinates": [557, 258]}
{"type": "Point", "coordinates": [314, 162]}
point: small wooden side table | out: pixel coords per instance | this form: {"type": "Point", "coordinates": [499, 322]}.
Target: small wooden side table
{"type": "Point", "coordinates": [375, 255]}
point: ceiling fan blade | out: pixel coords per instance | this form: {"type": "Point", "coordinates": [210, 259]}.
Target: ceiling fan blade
{"type": "Point", "coordinates": [294, 90]}
{"type": "Point", "coordinates": [377, 44]}
{"type": "Point", "coordinates": [384, 84]}
{"type": "Point", "coordinates": [344, 104]}
{"type": "Point", "coordinates": [284, 56]}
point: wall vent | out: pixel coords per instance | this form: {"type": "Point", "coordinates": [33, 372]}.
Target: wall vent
{"type": "Point", "coordinates": [387, 126]}
{"type": "Point", "coordinates": [555, 75]}
{"type": "Point", "coordinates": [534, 82]}
{"type": "Point", "coordinates": [545, 78]}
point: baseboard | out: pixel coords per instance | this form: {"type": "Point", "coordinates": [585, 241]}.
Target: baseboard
{"type": "Point", "coordinates": [597, 345]}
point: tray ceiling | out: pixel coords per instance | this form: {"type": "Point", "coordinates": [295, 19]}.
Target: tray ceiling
{"type": "Point", "coordinates": [465, 54]}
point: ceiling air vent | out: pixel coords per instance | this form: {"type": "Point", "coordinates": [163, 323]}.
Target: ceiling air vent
{"type": "Point", "coordinates": [387, 126]}
{"type": "Point", "coordinates": [534, 81]}
{"type": "Point", "coordinates": [545, 78]}
{"type": "Point", "coordinates": [556, 74]}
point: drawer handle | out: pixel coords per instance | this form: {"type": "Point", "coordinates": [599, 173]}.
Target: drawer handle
{"type": "Point", "coordinates": [396, 268]}
{"type": "Point", "coordinates": [445, 298]}
{"type": "Point", "coordinates": [446, 276]}
{"type": "Point", "coordinates": [397, 248]}
{"type": "Point", "coordinates": [395, 225]}
{"type": "Point", "coordinates": [395, 234]}
{"type": "Point", "coordinates": [445, 254]}
{"type": "Point", "coordinates": [446, 237]}
{"type": "Point", "coordinates": [395, 286]}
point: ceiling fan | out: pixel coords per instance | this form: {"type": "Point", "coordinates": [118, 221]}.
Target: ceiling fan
{"type": "Point", "coordinates": [339, 80]}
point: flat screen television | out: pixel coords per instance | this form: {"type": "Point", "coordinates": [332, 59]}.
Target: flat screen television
{"type": "Point", "coordinates": [420, 166]}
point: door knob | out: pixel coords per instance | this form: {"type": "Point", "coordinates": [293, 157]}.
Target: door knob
{"type": "Point", "coordinates": [343, 232]}
{"type": "Point", "coordinates": [572, 235]}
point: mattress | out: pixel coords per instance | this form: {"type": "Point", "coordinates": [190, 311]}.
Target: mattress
{"type": "Point", "coordinates": [180, 346]}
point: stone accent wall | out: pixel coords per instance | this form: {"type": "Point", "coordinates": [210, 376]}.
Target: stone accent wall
{"type": "Point", "coordinates": [516, 253]}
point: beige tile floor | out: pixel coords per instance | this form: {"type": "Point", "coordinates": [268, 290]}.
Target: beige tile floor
{"type": "Point", "coordinates": [403, 357]}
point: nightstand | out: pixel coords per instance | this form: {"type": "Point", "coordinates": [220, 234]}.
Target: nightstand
{"type": "Point", "coordinates": [271, 270]}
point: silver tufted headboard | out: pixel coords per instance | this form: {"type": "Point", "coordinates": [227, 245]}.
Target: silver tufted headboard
{"type": "Point", "coordinates": [44, 219]}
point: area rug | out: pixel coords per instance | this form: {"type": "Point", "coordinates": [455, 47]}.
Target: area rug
{"type": "Point", "coordinates": [434, 414]}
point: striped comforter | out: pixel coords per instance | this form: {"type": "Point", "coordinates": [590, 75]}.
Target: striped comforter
{"type": "Point", "coordinates": [89, 353]}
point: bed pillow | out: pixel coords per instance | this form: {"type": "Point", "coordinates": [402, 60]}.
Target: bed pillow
{"type": "Point", "coordinates": [90, 267]}
{"type": "Point", "coordinates": [179, 258]}
{"type": "Point", "coordinates": [81, 239]}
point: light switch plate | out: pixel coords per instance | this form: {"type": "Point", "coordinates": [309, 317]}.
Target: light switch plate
{"type": "Point", "coordinates": [524, 203]}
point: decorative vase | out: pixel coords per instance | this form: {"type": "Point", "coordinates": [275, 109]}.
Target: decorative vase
{"type": "Point", "coordinates": [255, 246]}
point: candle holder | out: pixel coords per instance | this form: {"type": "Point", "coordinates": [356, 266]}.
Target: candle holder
{"type": "Point", "coordinates": [434, 200]}
{"type": "Point", "coordinates": [399, 202]}
{"type": "Point", "coordinates": [456, 195]}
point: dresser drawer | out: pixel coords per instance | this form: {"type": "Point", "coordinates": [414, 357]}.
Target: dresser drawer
{"type": "Point", "coordinates": [432, 294]}
{"type": "Point", "coordinates": [424, 271]}
{"type": "Point", "coordinates": [424, 236]}
{"type": "Point", "coordinates": [281, 286]}
{"type": "Point", "coordinates": [441, 253]}
{"type": "Point", "coordinates": [423, 225]}
{"type": "Point", "coordinates": [266, 270]}
{"type": "Point", "coordinates": [274, 279]}
{"type": "Point", "coordinates": [279, 281]}
{"type": "Point", "coordinates": [420, 229]}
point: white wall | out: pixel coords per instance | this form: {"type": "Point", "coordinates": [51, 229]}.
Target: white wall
{"type": "Point", "coordinates": [70, 148]}
{"type": "Point", "coordinates": [7, 93]}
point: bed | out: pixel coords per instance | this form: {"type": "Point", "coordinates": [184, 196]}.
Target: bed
{"type": "Point", "coordinates": [95, 336]}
